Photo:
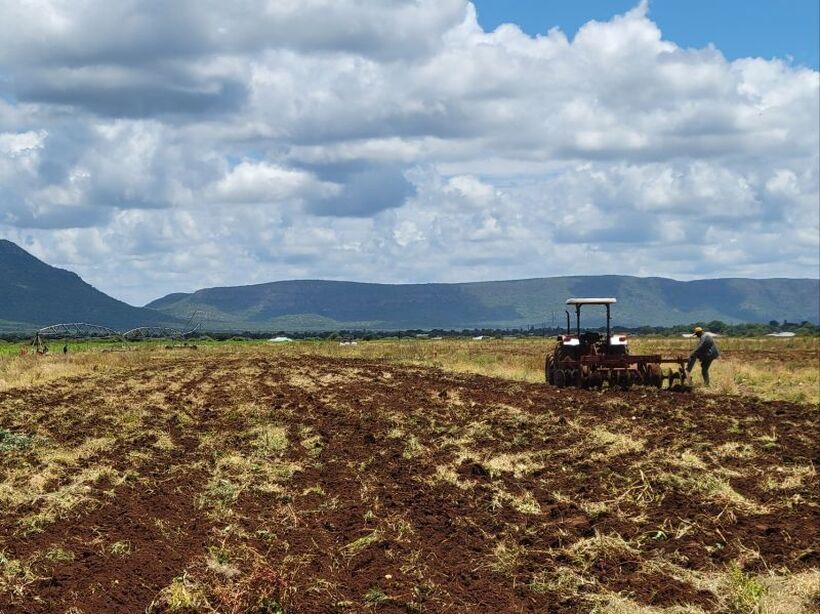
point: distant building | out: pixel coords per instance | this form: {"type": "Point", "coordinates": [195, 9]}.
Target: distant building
{"type": "Point", "coordinates": [280, 340]}
{"type": "Point", "coordinates": [784, 333]}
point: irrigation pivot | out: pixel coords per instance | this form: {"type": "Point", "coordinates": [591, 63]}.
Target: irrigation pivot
{"type": "Point", "coordinates": [81, 330]}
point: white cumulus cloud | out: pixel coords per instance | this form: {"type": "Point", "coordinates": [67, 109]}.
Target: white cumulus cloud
{"type": "Point", "coordinates": [157, 147]}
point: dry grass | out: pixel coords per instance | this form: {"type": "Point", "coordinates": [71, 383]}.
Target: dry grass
{"type": "Point", "coordinates": [771, 369]}
{"type": "Point", "coordinates": [18, 370]}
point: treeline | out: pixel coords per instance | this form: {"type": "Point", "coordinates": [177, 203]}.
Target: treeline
{"type": "Point", "coordinates": [716, 326]}
{"type": "Point", "coordinates": [732, 330]}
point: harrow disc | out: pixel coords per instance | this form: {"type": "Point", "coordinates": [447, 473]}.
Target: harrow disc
{"type": "Point", "coordinates": [584, 377]}
{"type": "Point", "coordinates": [654, 376]}
{"type": "Point", "coordinates": [596, 380]}
{"type": "Point", "coordinates": [677, 380]}
{"type": "Point", "coordinates": [684, 381]}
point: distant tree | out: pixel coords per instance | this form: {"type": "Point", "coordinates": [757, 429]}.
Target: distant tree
{"type": "Point", "coordinates": [716, 326]}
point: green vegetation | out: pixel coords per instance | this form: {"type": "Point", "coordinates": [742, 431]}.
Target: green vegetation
{"type": "Point", "coordinates": [748, 591]}
{"type": "Point", "coordinates": [13, 441]}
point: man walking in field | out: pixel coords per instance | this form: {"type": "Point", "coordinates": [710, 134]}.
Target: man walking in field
{"type": "Point", "coordinates": [706, 352]}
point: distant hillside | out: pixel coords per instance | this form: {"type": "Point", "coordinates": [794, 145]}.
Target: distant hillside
{"type": "Point", "coordinates": [34, 294]}
{"type": "Point", "coordinates": [323, 305]}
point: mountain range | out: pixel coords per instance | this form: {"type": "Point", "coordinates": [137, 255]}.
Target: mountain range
{"type": "Point", "coordinates": [32, 294]}
{"type": "Point", "coordinates": [325, 305]}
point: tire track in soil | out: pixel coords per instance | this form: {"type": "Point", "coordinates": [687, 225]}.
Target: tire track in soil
{"type": "Point", "coordinates": [433, 512]}
{"type": "Point", "coordinates": [618, 575]}
{"type": "Point", "coordinates": [154, 515]}
{"type": "Point", "coordinates": [100, 581]}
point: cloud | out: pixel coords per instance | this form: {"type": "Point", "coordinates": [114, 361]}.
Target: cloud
{"type": "Point", "coordinates": [393, 140]}
{"type": "Point", "coordinates": [251, 182]}
{"type": "Point", "coordinates": [365, 192]}
{"type": "Point", "coordinates": [132, 93]}
{"type": "Point", "coordinates": [138, 31]}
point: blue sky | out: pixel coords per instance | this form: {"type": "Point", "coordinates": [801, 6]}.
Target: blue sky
{"type": "Point", "coordinates": [159, 147]}
{"type": "Point", "coordinates": [739, 28]}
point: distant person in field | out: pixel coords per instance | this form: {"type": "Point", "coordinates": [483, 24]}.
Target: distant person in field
{"type": "Point", "coordinates": [65, 349]}
{"type": "Point", "coordinates": [706, 352]}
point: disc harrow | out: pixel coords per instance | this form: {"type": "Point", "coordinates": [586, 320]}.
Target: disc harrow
{"type": "Point", "coordinates": [597, 372]}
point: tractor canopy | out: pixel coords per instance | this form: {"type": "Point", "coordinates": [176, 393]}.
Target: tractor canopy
{"type": "Point", "coordinates": [578, 302]}
{"type": "Point", "coordinates": [591, 301]}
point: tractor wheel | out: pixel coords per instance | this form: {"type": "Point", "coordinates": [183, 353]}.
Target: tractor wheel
{"type": "Point", "coordinates": [559, 378]}
{"type": "Point", "coordinates": [549, 371]}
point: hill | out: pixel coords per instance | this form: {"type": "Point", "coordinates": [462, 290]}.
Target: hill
{"type": "Point", "coordinates": [323, 305]}
{"type": "Point", "coordinates": [33, 294]}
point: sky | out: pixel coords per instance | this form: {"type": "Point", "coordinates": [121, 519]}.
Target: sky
{"type": "Point", "coordinates": [752, 28]}
{"type": "Point", "coordinates": [155, 150]}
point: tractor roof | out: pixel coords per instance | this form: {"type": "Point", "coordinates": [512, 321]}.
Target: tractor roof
{"type": "Point", "coordinates": [591, 301]}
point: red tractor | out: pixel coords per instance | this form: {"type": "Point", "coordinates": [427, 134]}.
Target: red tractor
{"type": "Point", "coordinates": [589, 359]}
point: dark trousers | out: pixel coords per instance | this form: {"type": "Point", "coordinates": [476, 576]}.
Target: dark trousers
{"type": "Point", "coordinates": [705, 363]}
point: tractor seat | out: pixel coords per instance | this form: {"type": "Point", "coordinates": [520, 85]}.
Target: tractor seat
{"type": "Point", "coordinates": [590, 337]}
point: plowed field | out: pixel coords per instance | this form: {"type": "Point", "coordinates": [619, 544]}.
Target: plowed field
{"type": "Point", "coordinates": [252, 482]}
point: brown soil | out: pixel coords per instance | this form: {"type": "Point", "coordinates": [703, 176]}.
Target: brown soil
{"type": "Point", "coordinates": [458, 544]}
